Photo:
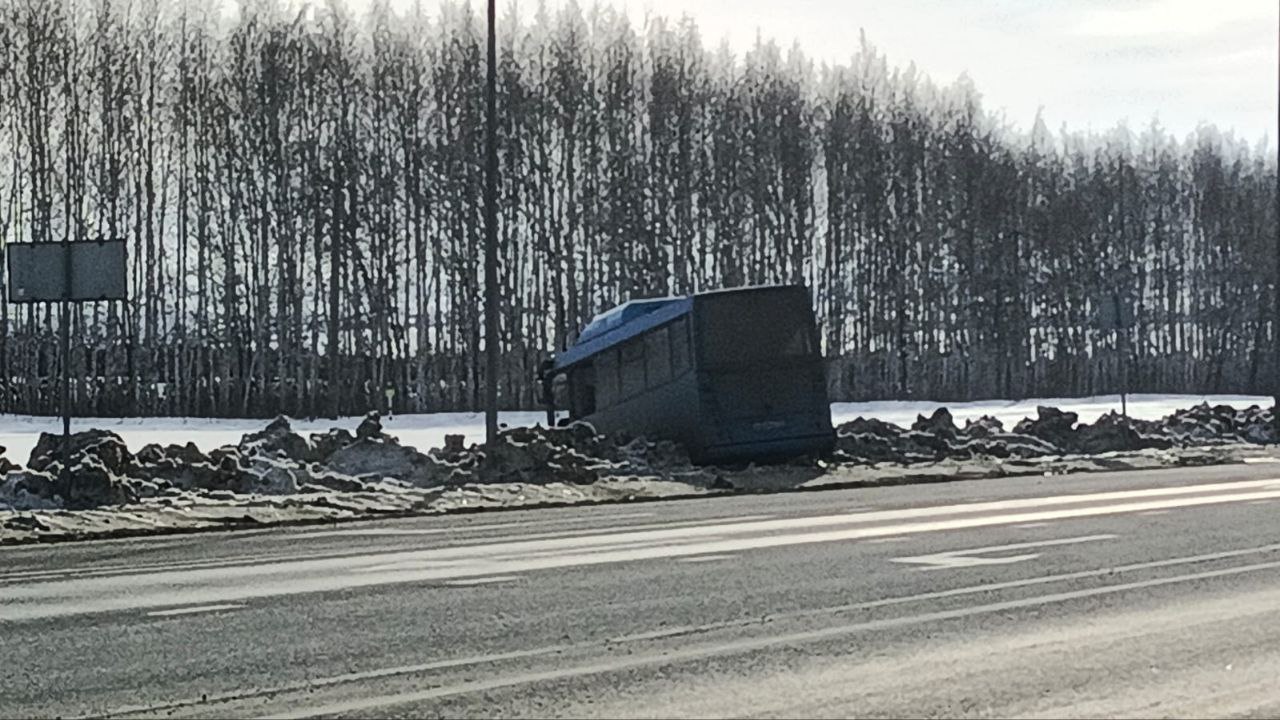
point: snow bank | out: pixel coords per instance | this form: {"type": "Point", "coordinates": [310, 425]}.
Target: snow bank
{"type": "Point", "coordinates": [205, 474]}
{"type": "Point", "coordinates": [98, 469]}
{"type": "Point", "coordinates": [213, 511]}
{"type": "Point", "coordinates": [1009, 412]}
{"type": "Point", "coordinates": [19, 433]}
{"type": "Point", "coordinates": [191, 512]}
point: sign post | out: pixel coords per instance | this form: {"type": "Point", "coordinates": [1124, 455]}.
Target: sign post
{"type": "Point", "coordinates": [64, 327]}
{"type": "Point", "coordinates": [1125, 354]}
{"type": "Point", "coordinates": [66, 272]}
{"type": "Point", "coordinates": [1114, 315]}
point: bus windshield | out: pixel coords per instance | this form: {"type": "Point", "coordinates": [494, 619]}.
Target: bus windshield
{"type": "Point", "coordinates": [755, 329]}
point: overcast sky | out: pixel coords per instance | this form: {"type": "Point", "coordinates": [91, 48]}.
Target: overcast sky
{"type": "Point", "coordinates": [1089, 63]}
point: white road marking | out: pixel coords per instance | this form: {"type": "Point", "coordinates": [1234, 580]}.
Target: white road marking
{"type": "Point", "coordinates": [704, 558]}
{"type": "Point", "coordinates": [186, 587]}
{"type": "Point", "coordinates": [192, 610]}
{"type": "Point", "coordinates": [1154, 512]}
{"type": "Point", "coordinates": [1261, 460]}
{"type": "Point", "coordinates": [740, 523]}
{"type": "Point", "coordinates": [974, 556]}
{"type": "Point", "coordinates": [750, 644]}
{"type": "Point", "coordinates": [878, 541]}
{"type": "Point", "coordinates": [102, 571]}
{"type": "Point", "coordinates": [462, 528]}
{"type": "Point", "coordinates": [1028, 526]}
{"type": "Point", "coordinates": [312, 684]}
{"type": "Point", "coordinates": [465, 582]}
{"type": "Point", "coordinates": [984, 588]}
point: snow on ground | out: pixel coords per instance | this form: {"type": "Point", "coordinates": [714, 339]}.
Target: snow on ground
{"type": "Point", "coordinates": [223, 510]}
{"type": "Point", "coordinates": [1009, 412]}
{"type": "Point", "coordinates": [194, 509]}
{"type": "Point", "coordinates": [18, 433]}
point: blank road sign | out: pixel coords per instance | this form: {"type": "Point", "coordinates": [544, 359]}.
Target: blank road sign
{"type": "Point", "coordinates": [1114, 313]}
{"type": "Point", "coordinates": [37, 274]}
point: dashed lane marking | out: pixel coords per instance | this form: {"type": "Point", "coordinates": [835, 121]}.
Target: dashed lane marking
{"type": "Point", "coordinates": [559, 672]}
{"type": "Point", "coordinates": [467, 582]}
{"type": "Point", "coordinates": [193, 610]}
{"type": "Point", "coordinates": [981, 589]}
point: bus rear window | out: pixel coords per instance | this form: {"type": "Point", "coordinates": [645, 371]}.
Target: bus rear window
{"type": "Point", "coordinates": [752, 329]}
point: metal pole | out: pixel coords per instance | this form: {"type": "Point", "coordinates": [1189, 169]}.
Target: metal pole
{"type": "Point", "coordinates": [1125, 354]}
{"type": "Point", "coordinates": [491, 238]}
{"type": "Point", "coordinates": [66, 370]}
{"type": "Point", "coordinates": [66, 355]}
{"type": "Point", "coordinates": [1275, 291]}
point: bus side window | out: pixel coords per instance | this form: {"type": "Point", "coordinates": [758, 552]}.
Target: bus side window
{"type": "Point", "coordinates": [679, 331]}
{"type": "Point", "coordinates": [607, 378]}
{"type": "Point", "coordinates": [582, 384]}
{"type": "Point", "coordinates": [632, 370]}
{"type": "Point", "coordinates": [657, 357]}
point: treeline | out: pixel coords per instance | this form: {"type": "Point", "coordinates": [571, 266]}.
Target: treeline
{"type": "Point", "coordinates": [301, 190]}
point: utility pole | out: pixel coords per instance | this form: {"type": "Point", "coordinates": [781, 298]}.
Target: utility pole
{"type": "Point", "coordinates": [65, 332]}
{"type": "Point", "coordinates": [65, 327]}
{"type": "Point", "coordinates": [491, 237]}
{"type": "Point", "coordinates": [1275, 291]}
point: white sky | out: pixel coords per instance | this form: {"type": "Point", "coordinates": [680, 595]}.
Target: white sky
{"type": "Point", "coordinates": [1089, 63]}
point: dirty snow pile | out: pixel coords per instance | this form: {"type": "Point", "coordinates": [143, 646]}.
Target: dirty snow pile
{"type": "Point", "coordinates": [1051, 433]}
{"type": "Point", "coordinates": [278, 461]}
{"type": "Point", "coordinates": [277, 474]}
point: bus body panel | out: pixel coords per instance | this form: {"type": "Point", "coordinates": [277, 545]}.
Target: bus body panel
{"type": "Point", "coordinates": [738, 375]}
{"type": "Point", "coordinates": [661, 413]}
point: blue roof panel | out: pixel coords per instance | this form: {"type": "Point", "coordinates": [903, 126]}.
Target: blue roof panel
{"type": "Point", "coordinates": [632, 319]}
{"type": "Point", "coordinates": [623, 314]}
{"type": "Point", "coordinates": [621, 324]}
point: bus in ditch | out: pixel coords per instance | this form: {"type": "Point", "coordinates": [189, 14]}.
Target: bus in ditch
{"type": "Point", "coordinates": [733, 375]}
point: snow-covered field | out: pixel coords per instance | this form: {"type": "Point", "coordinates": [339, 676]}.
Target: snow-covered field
{"type": "Point", "coordinates": [18, 433]}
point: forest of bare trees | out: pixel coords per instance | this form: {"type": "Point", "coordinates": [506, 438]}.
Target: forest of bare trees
{"type": "Point", "coordinates": [301, 195]}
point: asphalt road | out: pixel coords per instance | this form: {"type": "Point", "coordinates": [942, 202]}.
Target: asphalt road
{"type": "Point", "coordinates": [1144, 593]}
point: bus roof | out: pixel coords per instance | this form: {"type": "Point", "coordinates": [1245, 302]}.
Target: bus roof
{"type": "Point", "coordinates": [620, 324]}
{"type": "Point", "coordinates": [634, 318]}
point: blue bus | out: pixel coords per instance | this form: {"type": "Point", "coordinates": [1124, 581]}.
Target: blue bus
{"type": "Point", "coordinates": [733, 375]}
